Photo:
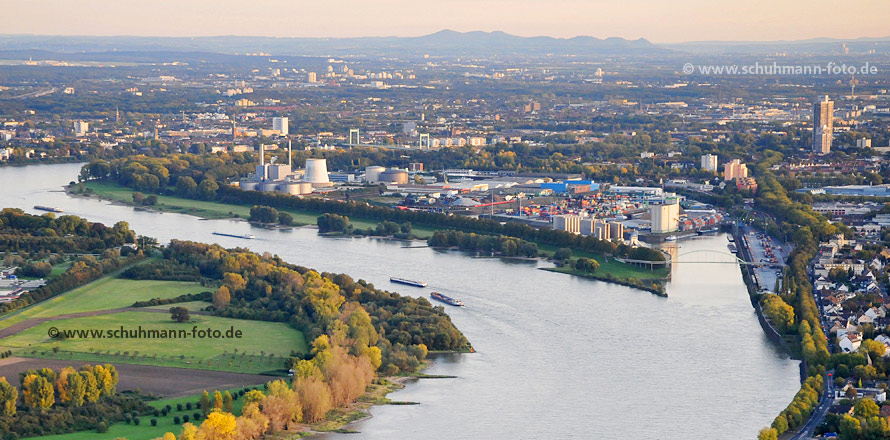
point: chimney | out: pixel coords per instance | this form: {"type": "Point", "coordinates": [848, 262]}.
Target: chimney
{"type": "Point", "coordinates": [262, 155]}
{"type": "Point", "coordinates": [290, 158]}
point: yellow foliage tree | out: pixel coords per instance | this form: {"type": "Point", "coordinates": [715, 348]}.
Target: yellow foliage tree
{"type": "Point", "coordinates": [218, 426]}
{"type": "Point", "coordinates": [189, 432]}
{"type": "Point", "coordinates": [8, 396]}
{"type": "Point", "coordinates": [221, 297]}
{"type": "Point", "coordinates": [62, 384]}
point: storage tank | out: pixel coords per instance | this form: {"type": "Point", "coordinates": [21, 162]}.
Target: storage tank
{"type": "Point", "coordinates": [372, 173]}
{"type": "Point", "coordinates": [316, 171]}
{"type": "Point", "coordinates": [267, 186]}
{"type": "Point", "coordinates": [295, 188]}
{"type": "Point", "coordinates": [248, 185]}
{"type": "Point", "coordinates": [399, 177]}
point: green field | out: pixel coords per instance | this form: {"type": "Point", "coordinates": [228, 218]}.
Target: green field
{"type": "Point", "coordinates": [105, 293]}
{"type": "Point", "coordinates": [215, 210]}
{"type": "Point", "coordinates": [144, 431]}
{"type": "Point", "coordinates": [621, 271]}
{"type": "Point", "coordinates": [261, 347]}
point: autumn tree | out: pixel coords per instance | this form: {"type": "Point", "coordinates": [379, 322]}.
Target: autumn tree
{"type": "Point", "coordinates": [62, 384]}
{"type": "Point", "coordinates": [217, 401]}
{"type": "Point", "coordinates": [189, 432]}
{"type": "Point", "coordinates": [768, 434]}
{"type": "Point", "coordinates": [204, 403]}
{"type": "Point", "coordinates": [40, 393]}
{"type": "Point", "coordinates": [76, 389]}
{"type": "Point", "coordinates": [234, 281]}
{"type": "Point", "coordinates": [252, 423]}
{"type": "Point", "coordinates": [221, 297]}
{"type": "Point", "coordinates": [315, 397]}
{"type": "Point", "coordinates": [228, 403]}
{"type": "Point", "coordinates": [218, 426]}
{"type": "Point", "coordinates": [180, 314]}
{"type": "Point", "coordinates": [8, 395]}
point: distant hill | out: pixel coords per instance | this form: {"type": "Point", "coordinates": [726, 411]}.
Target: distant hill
{"type": "Point", "coordinates": [442, 43]}
{"type": "Point", "coordinates": [821, 46]}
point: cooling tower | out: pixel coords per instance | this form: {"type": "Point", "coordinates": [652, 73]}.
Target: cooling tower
{"type": "Point", "coordinates": [316, 171]}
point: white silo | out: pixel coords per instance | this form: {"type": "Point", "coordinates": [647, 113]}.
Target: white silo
{"type": "Point", "coordinates": [372, 173]}
{"type": "Point", "coordinates": [316, 171]}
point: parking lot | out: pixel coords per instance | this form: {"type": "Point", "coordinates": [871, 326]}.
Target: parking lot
{"type": "Point", "coordinates": [764, 249]}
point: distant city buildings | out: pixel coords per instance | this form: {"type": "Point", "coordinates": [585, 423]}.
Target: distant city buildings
{"type": "Point", "coordinates": [823, 125]}
{"type": "Point", "coordinates": [709, 162]}
{"type": "Point", "coordinates": [863, 143]}
{"type": "Point", "coordinates": [734, 169]}
{"type": "Point", "coordinates": [568, 223]}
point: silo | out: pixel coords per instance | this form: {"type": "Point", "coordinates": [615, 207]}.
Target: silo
{"type": "Point", "coordinates": [292, 188]}
{"type": "Point", "coordinates": [399, 177]}
{"type": "Point", "coordinates": [316, 171]}
{"type": "Point", "coordinates": [372, 173]}
{"type": "Point", "coordinates": [248, 185]}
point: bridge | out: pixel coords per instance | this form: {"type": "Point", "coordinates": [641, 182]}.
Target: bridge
{"type": "Point", "coordinates": [735, 259]}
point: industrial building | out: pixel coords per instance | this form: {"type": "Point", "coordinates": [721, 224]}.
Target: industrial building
{"type": "Point", "coordinates": [665, 215]}
{"type": "Point", "coordinates": [282, 178]}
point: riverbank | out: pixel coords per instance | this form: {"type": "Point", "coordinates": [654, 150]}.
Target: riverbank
{"type": "Point", "coordinates": [656, 287]}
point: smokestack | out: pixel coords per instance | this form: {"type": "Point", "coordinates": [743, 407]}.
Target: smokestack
{"type": "Point", "coordinates": [262, 155]}
{"type": "Point", "coordinates": [290, 158]}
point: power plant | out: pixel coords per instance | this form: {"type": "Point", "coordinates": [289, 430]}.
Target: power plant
{"type": "Point", "coordinates": [283, 178]}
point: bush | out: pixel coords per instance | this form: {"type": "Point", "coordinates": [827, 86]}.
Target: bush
{"type": "Point", "coordinates": [185, 418]}
{"type": "Point", "coordinates": [101, 427]}
{"type": "Point", "coordinates": [154, 422]}
{"type": "Point", "coordinates": [179, 407]}
{"type": "Point", "coordinates": [177, 420]}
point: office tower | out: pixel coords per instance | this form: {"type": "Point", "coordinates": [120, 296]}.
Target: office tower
{"type": "Point", "coordinates": [823, 125]}
{"type": "Point", "coordinates": [280, 124]}
{"type": "Point", "coordinates": [81, 128]}
{"type": "Point", "coordinates": [709, 162]}
{"type": "Point", "coordinates": [313, 77]}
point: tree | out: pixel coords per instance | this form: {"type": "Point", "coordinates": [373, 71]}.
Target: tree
{"type": "Point", "coordinates": [186, 186]}
{"type": "Point", "coordinates": [217, 401]}
{"type": "Point", "coordinates": [768, 434]}
{"type": "Point", "coordinates": [221, 297]}
{"type": "Point", "coordinates": [204, 403]}
{"type": "Point", "coordinates": [562, 254]}
{"type": "Point", "coordinates": [315, 397]}
{"type": "Point", "coordinates": [138, 197]}
{"type": "Point", "coordinates": [866, 408]}
{"type": "Point", "coordinates": [169, 436]}
{"type": "Point", "coordinates": [285, 219]}
{"type": "Point", "coordinates": [76, 390]}
{"type": "Point", "coordinates": [228, 404]}
{"type": "Point", "coordinates": [189, 432]}
{"type": "Point", "coordinates": [332, 223]}
{"type": "Point", "coordinates": [218, 426]}
{"type": "Point", "coordinates": [91, 385]}
{"type": "Point", "coordinates": [234, 281]}
{"type": "Point", "coordinates": [207, 189]}
{"type": "Point", "coordinates": [587, 265]}
{"type": "Point", "coordinates": [8, 395]}
{"type": "Point", "coordinates": [40, 393]}
{"type": "Point", "coordinates": [263, 214]}
{"type": "Point", "coordinates": [180, 314]}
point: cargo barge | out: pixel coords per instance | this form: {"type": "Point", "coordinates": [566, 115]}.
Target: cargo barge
{"type": "Point", "coordinates": [244, 236]}
{"type": "Point", "coordinates": [48, 209]}
{"type": "Point", "coordinates": [447, 299]}
{"type": "Point", "coordinates": [407, 282]}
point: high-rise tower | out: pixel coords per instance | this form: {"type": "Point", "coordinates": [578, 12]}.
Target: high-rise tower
{"type": "Point", "coordinates": [823, 125]}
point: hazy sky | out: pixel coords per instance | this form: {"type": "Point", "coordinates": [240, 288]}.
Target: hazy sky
{"type": "Point", "coordinates": [657, 20]}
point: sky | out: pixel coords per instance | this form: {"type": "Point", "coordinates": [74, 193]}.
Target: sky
{"type": "Point", "coordinates": [660, 21]}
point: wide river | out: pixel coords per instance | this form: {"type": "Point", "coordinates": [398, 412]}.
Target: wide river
{"type": "Point", "coordinates": [557, 356]}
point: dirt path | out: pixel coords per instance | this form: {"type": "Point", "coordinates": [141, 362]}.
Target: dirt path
{"type": "Point", "coordinates": [24, 325]}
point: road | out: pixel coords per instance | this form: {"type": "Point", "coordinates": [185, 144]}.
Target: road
{"type": "Point", "coordinates": [805, 432]}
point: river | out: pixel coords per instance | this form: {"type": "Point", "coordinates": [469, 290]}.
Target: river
{"type": "Point", "coordinates": [557, 356]}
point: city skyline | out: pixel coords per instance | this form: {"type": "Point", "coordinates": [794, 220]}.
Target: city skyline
{"type": "Point", "coordinates": [692, 20]}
